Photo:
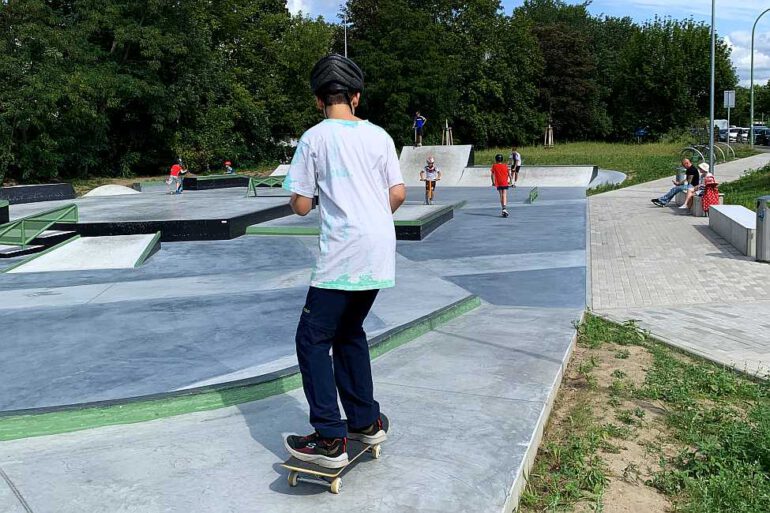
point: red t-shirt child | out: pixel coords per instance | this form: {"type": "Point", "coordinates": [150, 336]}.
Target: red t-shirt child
{"type": "Point", "coordinates": [176, 169]}
{"type": "Point", "coordinates": [500, 174]}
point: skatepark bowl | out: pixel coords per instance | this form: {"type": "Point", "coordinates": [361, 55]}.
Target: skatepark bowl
{"type": "Point", "coordinates": [155, 306]}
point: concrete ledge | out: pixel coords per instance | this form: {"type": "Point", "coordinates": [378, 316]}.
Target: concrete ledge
{"type": "Point", "coordinates": [697, 205]}
{"type": "Point", "coordinates": [64, 419]}
{"type": "Point", "coordinates": [35, 193]}
{"type": "Point", "coordinates": [181, 229]}
{"type": "Point", "coordinates": [202, 183]}
{"type": "Point", "coordinates": [522, 475]}
{"type": "Point", "coordinates": [736, 224]}
{"type": "Point", "coordinates": [407, 228]}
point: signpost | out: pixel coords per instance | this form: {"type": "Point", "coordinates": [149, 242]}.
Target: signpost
{"type": "Point", "coordinates": [729, 104]}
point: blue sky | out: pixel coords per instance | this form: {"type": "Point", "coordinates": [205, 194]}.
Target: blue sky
{"type": "Point", "coordinates": [734, 21]}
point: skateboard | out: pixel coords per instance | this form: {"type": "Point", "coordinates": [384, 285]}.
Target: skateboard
{"type": "Point", "coordinates": [315, 474]}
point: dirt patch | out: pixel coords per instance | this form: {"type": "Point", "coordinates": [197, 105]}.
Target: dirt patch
{"type": "Point", "coordinates": [603, 378]}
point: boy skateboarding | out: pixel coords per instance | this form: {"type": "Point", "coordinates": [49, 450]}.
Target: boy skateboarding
{"type": "Point", "coordinates": [430, 174]}
{"type": "Point", "coordinates": [354, 166]}
{"type": "Point", "coordinates": [500, 174]}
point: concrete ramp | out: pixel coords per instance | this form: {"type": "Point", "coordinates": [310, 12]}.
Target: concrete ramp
{"type": "Point", "coordinates": [92, 253]}
{"type": "Point", "coordinates": [281, 170]}
{"type": "Point", "coordinates": [531, 176]}
{"type": "Point", "coordinates": [451, 160]}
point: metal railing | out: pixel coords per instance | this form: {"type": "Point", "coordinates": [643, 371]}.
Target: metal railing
{"type": "Point", "coordinates": [23, 231]}
{"type": "Point", "coordinates": [267, 181]}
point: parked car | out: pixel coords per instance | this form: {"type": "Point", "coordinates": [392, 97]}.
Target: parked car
{"type": "Point", "coordinates": [762, 136]}
{"type": "Point", "coordinates": [723, 135]}
{"type": "Point", "coordinates": [734, 134]}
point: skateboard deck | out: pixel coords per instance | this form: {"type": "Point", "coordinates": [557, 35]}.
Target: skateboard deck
{"type": "Point", "coordinates": [330, 477]}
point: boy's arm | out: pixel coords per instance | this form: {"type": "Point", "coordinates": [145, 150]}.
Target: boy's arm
{"type": "Point", "coordinates": [301, 179]}
{"type": "Point", "coordinates": [397, 195]}
{"type": "Point", "coordinates": [492, 174]}
{"type": "Point", "coordinates": [300, 205]}
{"type": "Point", "coordinates": [391, 173]}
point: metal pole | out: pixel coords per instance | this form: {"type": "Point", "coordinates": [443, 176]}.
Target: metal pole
{"type": "Point", "coordinates": [713, 80]}
{"type": "Point", "coordinates": [753, 31]}
{"type": "Point", "coordinates": [345, 21]}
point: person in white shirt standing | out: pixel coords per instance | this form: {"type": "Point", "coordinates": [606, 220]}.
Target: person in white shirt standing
{"type": "Point", "coordinates": [353, 165]}
{"type": "Point", "coordinates": [514, 162]}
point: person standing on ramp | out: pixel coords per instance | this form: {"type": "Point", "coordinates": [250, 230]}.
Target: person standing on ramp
{"type": "Point", "coordinates": [418, 126]}
{"type": "Point", "coordinates": [353, 165]}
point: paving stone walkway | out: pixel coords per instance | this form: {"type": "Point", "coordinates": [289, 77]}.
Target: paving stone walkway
{"type": "Point", "coordinates": [673, 274]}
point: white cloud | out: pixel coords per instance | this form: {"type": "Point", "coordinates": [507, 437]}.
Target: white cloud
{"type": "Point", "coordinates": [740, 42]}
{"type": "Point", "coordinates": [326, 8]}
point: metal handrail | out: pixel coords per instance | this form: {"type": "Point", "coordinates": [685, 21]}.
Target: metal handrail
{"type": "Point", "coordinates": [265, 181]}
{"type": "Point", "coordinates": [23, 231]}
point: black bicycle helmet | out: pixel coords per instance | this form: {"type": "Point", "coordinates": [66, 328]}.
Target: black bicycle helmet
{"type": "Point", "coordinates": [336, 74]}
{"type": "Point", "coordinates": [499, 157]}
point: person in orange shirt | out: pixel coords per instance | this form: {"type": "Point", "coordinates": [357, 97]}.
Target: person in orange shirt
{"type": "Point", "coordinates": [501, 180]}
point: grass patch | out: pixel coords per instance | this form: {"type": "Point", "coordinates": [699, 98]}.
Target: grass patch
{"type": "Point", "coordinates": [748, 188]}
{"type": "Point", "coordinates": [641, 162]}
{"type": "Point", "coordinates": [689, 435]}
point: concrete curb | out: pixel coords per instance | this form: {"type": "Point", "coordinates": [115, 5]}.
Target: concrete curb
{"type": "Point", "coordinates": [64, 419]}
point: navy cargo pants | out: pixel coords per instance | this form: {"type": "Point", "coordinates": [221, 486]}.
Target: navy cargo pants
{"type": "Point", "coordinates": [333, 319]}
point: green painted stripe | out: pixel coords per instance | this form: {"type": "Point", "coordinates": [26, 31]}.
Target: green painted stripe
{"type": "Point", "coordinates": [147, 250]}
{"type": "Point", "coordinates": [4, 203]}
{"type": "Point", "coordinates": [13, 427]}
{"type": "Point", "coordinates": [282, 230]}
{"type": "Point", "coordinates": [38, 255]}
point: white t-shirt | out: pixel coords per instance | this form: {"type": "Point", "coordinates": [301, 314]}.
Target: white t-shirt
{"type": "Point", "coordinates": [352, 164]}
{"type": "Point", "coordinates": [431, 174]}
{"type": "Point", "coordinates": [514, 159]}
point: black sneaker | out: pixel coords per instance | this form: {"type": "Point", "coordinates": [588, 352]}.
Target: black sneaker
{"type": "Point", "coordinates": [370, 435]}
{"type": "Point", "coordinates": [658, 202]}
{"type": "Point", "coordinates": [326, 452]}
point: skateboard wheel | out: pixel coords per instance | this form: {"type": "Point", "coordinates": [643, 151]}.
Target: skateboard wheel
{"type": "Point", "coordinates": [376, 452]}
{"type": "Point", "coordinates": [293, 478]}
{"type": "Point", "coordinates": [336, 485]}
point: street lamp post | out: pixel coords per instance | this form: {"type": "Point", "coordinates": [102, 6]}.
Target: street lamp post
{"type": "Point", "coordinates": [345, 22]}
{"type": "Point", "coordinates": [713, 76]}
{"type": "Point", "coordinates": [753, 31]}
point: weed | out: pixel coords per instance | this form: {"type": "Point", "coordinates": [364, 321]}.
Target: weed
{"type": "Point", "coordinates": [617, 373]}
{"type": "Point", "coordinates": [622, 354]}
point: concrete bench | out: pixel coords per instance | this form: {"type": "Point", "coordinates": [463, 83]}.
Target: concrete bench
{"type": "Point", "coordinates": [697, 205]}
{"type": "Point", "coordinates": [736, 224]}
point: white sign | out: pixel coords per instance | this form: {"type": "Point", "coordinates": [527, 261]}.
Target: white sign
{"type": "Point", "coordinates": [729, 99]}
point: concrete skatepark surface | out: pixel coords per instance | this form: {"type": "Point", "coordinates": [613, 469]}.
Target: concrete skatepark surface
{"type": "Point", "coordinates": [473, 393]}
{"type": "Point", "coordinates": [91, 253]}
{"type": "Point", "coordinates": [155, 204]}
